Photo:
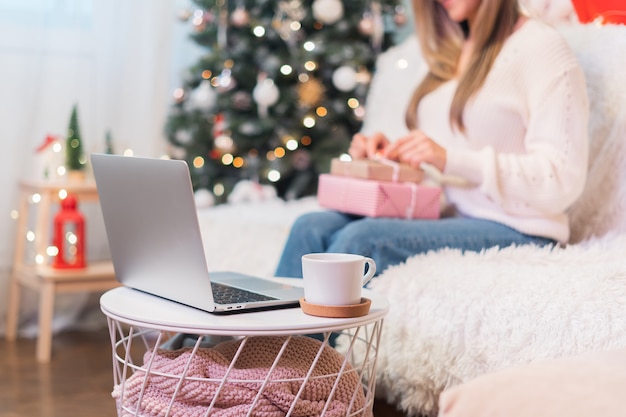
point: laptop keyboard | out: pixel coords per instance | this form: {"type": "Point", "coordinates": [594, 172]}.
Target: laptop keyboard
{"type": "Point", "coordinates": [224, 294]}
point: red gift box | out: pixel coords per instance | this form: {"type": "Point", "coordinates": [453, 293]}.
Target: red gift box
{"type": "Point", "coordinates": [379, 198]}
{"type": "Point", "coordinates": [376, 170]}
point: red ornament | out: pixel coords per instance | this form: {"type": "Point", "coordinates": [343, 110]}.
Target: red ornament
{"type": "Point", "coordinates": [69, 236]}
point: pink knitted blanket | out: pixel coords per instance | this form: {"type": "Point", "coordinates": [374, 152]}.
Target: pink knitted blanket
{"type": "Point", "coordinates": [209, 365]}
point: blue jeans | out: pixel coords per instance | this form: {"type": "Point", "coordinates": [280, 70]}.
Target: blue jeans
{"type": "Point", "coordinates": [391, 241]}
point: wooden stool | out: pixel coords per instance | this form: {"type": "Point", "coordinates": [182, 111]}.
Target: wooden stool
{"type": "Point", "coordinates": [37, 274]}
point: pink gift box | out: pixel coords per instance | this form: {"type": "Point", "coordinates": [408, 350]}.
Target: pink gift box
{"type": "Point", "coordinates": [378, 198]}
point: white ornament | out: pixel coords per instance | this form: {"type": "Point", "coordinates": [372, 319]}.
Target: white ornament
{"type": "Point", "coordinates": [203, 97]}
{"type": "Point", "coordinates": [240, 17]}
{"type": "Point", "coordinates": [327, 11]}
{"type": "Point", "coordinates": [345, 78]}
{"type": "Point", "coordinates": [224, 143]}
{"type": "Point", "coordinates": [204, 198]}
{"type": "Point", "coordinates": [366, 25]}
{"type": "Point", "coordinates": [251, 191]}
{"type": "Point", "coordinates": [183, 136]}
{"type": "Point", "coordinates": [265, 93]}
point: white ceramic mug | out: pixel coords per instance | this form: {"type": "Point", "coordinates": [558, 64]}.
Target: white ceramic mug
{"type": "Point", "coordinates": [335, 279]}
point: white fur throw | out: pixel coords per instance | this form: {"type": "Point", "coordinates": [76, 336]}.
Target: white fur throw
{"type": "Point", "coordinates": [454, 317]}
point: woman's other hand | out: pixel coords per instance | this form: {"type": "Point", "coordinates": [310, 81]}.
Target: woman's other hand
{"type": "Point", "coordinates": [363, 146]}
{"type": "Point", "coordinates": [415, 148]}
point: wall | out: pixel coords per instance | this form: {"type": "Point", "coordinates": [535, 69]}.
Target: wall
{"type": "Point", "coordinates": [118, 60]}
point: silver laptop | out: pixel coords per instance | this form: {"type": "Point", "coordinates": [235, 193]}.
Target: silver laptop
{"type": "Point", "coordinates": [155, 242]}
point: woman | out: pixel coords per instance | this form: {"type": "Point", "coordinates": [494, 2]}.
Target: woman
{"type": "Point", "coordinates": [504, 106]}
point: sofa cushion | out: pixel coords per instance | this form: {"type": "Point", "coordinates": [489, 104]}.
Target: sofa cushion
{"type": "Point", "coordinates": [586, 385]}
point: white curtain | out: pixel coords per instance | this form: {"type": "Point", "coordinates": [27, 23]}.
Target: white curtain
{"type": "Point", "coordinates": [118, 60]}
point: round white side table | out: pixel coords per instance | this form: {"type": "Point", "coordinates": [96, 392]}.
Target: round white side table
{"type": "Point", "coordinates": [153, 378]}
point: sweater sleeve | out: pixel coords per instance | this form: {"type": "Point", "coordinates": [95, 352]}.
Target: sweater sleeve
{"type": "Point", "coordinates": [550, 173]}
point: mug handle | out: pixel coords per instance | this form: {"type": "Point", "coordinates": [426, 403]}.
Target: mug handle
{"type": "Point", "coordinates": [371, 270]}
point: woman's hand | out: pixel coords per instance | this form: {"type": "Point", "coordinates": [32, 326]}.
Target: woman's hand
{"type": "Point", "coordinates": [363, 146]}
{"type": "Point", "coordinates": [415, 148]}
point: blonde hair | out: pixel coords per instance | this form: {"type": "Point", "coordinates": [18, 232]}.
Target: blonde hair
{"type": "Point", "coordinates": [441, 40]}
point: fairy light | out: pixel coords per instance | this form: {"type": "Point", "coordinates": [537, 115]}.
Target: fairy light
{"type": "Point", "coordinates": [62, 193]}
{"type": "Point", "coordinates": [273, 175]}
{"type": "Point", "coordinates": [227, 159]}
{"type": "Point", "coordinates": [238, 162]}
{"type": "Point", "coordinates": [279, 152]}
{"type": "Point", "coordinates": [258, 31]}
{"type": "Point", "coordinates": [218, 189]}
{"type": "Point", "coordinates": [308, 121]}
{"type": "Point", "coordinates": [292, 144]}
{"type": "Point", "coordinates": [35, 198]}
{"type": "Point", "coordinates": [71, 238]}
{"type": "Point", "coordinates": [353, 103]}
{"type": "Point", "coordinates": [198, 162]}
{"type": "Point", "coordinates": [198, 17]}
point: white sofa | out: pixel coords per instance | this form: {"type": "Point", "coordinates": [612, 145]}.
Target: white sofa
{"type": "Point", "coordinates": [454, 317]}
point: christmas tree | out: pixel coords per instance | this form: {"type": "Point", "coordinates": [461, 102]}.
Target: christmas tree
{"type": "Point", "coordinates": [74, 157]}
{"type": "Point", "coordinates": [280, 90]}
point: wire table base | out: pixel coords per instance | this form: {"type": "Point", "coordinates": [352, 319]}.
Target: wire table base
{"type": "Point", "coordinates": [208, 375]}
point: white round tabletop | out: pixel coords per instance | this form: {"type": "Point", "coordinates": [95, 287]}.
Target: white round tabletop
{"type": "Point", "coordinates": [144, 310]}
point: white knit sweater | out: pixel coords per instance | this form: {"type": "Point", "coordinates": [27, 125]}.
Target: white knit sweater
{"type": "Point", "coordinates": [526, 141]}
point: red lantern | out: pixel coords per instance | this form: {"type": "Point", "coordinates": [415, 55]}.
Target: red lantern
{"type": "Point", "coordinates": [69, 236]}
